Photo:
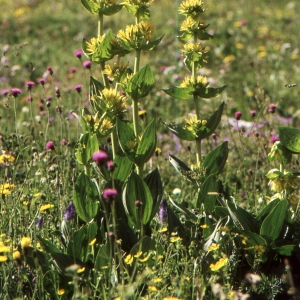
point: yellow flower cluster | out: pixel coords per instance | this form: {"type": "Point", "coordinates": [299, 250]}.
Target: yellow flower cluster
{"type": "Point", "coordinates": [201, 82]}
{"type": "Point", "coordinates": [219, 264]}
{"type": "Point", "coordinates": [136, 2]}
{"type": "Point", "coordinates": [135, 36]}
{"type": "Point", "coordinates": [5, 189]}
{"type": "Point", "coordinates": [6, 159]}
{"type": "Point", "coordinates": [194, 125]}
{"type": "Point", "coordinates": [191, 24]}
{"type": "Point", "coordinates": [93, 44]}
{"type": "Point", "coordinates": [191, 8]}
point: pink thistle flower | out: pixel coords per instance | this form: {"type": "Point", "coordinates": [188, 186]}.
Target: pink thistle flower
{"type": "Point", "coordinates": [78, 88]}
{"type": "Point", "coordinates": [30, 85]}
{"type": "Point", "coordinates": [41, 81]}
{"type": "Point", "coordinates": [272, 108]}
{"type": "Point", "coordinates": [110, 194]}
{"type": "Point", "coordinates": [238, 115]}
{"type": "Point", "coordinates": [15, 92]}
{"type": "Point", "coordinates": [87, 64]}
{"type": "Point", "coordinates": [50, 145]}
{"type": "Point", "coordinates": [253, 113]}
{"type": "Point", "coordinates": [78, 53]}
{"type": "Point", "coordinates": [4, 92]}
{"type": "Point", "coordinates": [100, 157]}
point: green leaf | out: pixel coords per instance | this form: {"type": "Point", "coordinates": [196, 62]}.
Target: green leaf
{"type": "Point", "coordinates": [86, 146]}
{"type": "Point", "coordinates": [212, 123]}
{"type": "Point", "coordinates": [267, 209]}
{"type": "Point", "coordinates": [181, 132]}
{"type": "Point", "coordinates": [145, 245]}
{"type": "Point", "coordinates": [86, 198]}
{"type": "Point", "coordinates": [63, 261]}
{"type": "Point", "coordinates": [285, 250]}
{"type": "Point", "coordinates": [290, 138]}
{"type": "Point", "coordinates": [181, 93]}
{"type": "Point", "coordinates": [182, 168]}
{"type": "Point", "coordinates": [49, 283]}
{"type": "Point", "coordinates": [90, 6]}
{"type": "Point", "coordinates": [47, 246]}
{"type": "Point", "coordinates": [188, 214]}
{"type": "Point", "coordinates": [151, 45]}
{"type": "Point", "coordinates": [79, 243]}
{"type": "Point", "coordinates": [209, 92]}
{"type": "Point", "coordinates": [137, 189]}
{"type": "Point", "coordinates": [103, 258]}
{"type": "Point", "coordinates": [155, 185]}
{"type": "Point", "coordinates": [123, 166]}
{"type": "Point", "coordinates": [279, 151]}
{"type": "Point", "coordinates": [127, 138]}
{"type": "Point", "coordinates": [272, 225]}
{"type": "Point", "coordinates": [211, 184]}
{"type": "Point", "coordinates": [147, 144]}
{"type": "Point", "coordinates": [104, 51]}
{"type": "Point", "coordinates": [215, 160]}
{"type": "Point", "coordinates": [141, 83]}
{"type": "Point", "coordinates": [95, 89]}
{"type": "Point", "coordinates": [111, 9]}
{"type": "Point", "coordinates": [126, 234]}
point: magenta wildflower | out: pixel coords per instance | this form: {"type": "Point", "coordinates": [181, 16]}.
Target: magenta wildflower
{"type": "Point", "coordinates": [73, 70]}
{"type": "Point", "coordinates": [138, 203]}
{"type": "Point", "coordinates": [78, 53]}
{"type": "Point", "coordinates": [87, 64]}
{"type": "Point", "coordinates": [29, 99]}
{"type": "Point", "coordinates": [57, 92]}
{"type": "Point", "coordinates": [15, 92]}
{"type": "Point", "coordinates": [163, 211]}
{"type": "Point", "coordinates": [243, 22]}
{"type": "Point", "coordinates": [30, 85]}
{"type": "Point", "coordinates": [110, 194]}
{"type": "Point", "coordinates": [4, 92]}
{"type": "Point", "coordinates": [100, 157]}
{"type": "Point", "coordinates": [238, 115]}
{"type": "Point", "coordinates": [64, 142]}
{"type": "Point", "coordinates": [39, 223]}
{"type": "Point", "coordinates": [78, 88]}
{"type": "Point", "coordinates": [50, 145]}
{"type": "Point", "coordinates": [41, 81]}
{"type": "Point", "coordinates": [70, 212]}
{"type": "Point", "coordinates": [253, 113]}
{"type": "Point", "coordinates": [274, 139]}
{"type": "Point", "coordinates": [272, 108]}
{"type": "Point", "coordinates": [49, 98]}
{"type": "Point", "coordinates": [50, 70]}
{"type": "Point", "coordinates": [110, 166]}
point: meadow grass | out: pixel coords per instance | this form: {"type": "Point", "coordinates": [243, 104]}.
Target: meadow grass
{"type": "Point", "coordinates": [223, 239]}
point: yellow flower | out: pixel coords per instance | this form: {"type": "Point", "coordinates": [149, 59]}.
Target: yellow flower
{"type": "Point", "coordinates": [213, 247]}
{"type": "Point", "coordinates": [138, 254]}
{"type": "Point", "coordinates": [3, 258]}
{"type": "Point", "coordinates": [60, 292]}
{"type": "Point", "coordinates": [194, 125]}
{"type": "Point", "coordinates": [25, 242]}
{"type": "Point", "coordinates": [5, 189]}
{"type": "Point", "coordinates": [6, 158]}
{"type": "Point", "coordinates": [4, 248]}
{"type": "Point", "coordinates": [260, 249]}
{"type": "Point", "coordinates": [171, 298]}
{"type": "Point", "coordinates": [92, 242]}
{"type": "Point", "coordinates": [152, 288]}
{"type": "Point", "coordinates": [175, 239]}
{"type": "Point", "coordinates": [191, 8]}
{"type": "Point", "coordinates": [229, 58]}
{"type": "Point", "coordinates": [80, 270]}
{"type": "Point", "coordinates": [201, 82]}
{"type": "Point", "coordinates": [16, 255]}
{"type": "Point", "coordinates": [239, 46]}
{"type": "Point", "coordinates": [136, 2]}
{"type": "Point", "coordinates": [194, 47]}
{"type": "Point", "coordinates": [128, 259]}
{"type": "Point", "coordinates": [262, 54]}
{"type": "Point", "coordinates": [204, 226]}
{"type": "Point", "coordinates": [46, 206]}
{"type": "Point", "coordinates": [156, 280]}
{"type": "Point", "coordinates": [219, 264]}
{"type": "Point", "coordinates": [135, 36]}
{"type": "Point", "coordinates": [93, 44]}
{"type": "Point", "coordinates": [164, 229]}
{"type": "Point", "coordinates": [191, 24]}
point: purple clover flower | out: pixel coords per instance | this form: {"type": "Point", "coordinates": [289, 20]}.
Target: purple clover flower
{"type": "Point", "coordinates": [78, 53]}
{"type": "Point", "coordinates": [15, 92]}
{"type": "Point", "coordinates": [100, 157]}
{"type": "Point", "coordinates": [163, 211]}
{"type": "Point", "coordinates": [70, 212]}
{"type": "Point", "coordinates": [78, 88]}
{"type": "Point", "coordinates": [39, 223]}
{"type": "Point", "coordinates": [87, 64]}
{"type": "Point", "coordinates": [41, 81]}
{"type": "Point", "coordinates": [109, 194]}
{"type": "Point", "coordinates": [238, 115]}
{"type": "Point", "coordinates": [50, 145]}
{"type": "Point", "coordinates": [30, 85]}
{"type": "Point", "coordinates": [4, 92]}
{"type": "Point", "coordinates": [272, 108]}
{"type": "Point", "coordinates": [253, 113]}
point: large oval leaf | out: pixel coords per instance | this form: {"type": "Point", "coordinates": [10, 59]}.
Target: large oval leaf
{"type": "Point", "coordinates": [290, 138]}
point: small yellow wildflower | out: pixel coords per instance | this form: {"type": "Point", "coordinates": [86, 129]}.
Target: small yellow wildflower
{"type": "Point", "coordinates": [60, 292]}
{"type": "Point", "coordinates": [3, 258]}
{"type": "Point", "coordinates": [128, 259]}
{"type": "Point", "coordinates": [244, 239]}
{"type": "Point", "coordinates": [171, 298]}
{"type": "Point", "coordinates": [194, 125]}
{"type": "Point", "coordinates": [164, 229]}
{"type": "Point", "coordinates": [201, 82]}
{"type": "Point", "coordinates": [260, 249]}
{"type": "Point", "coordinates": [5, 189]}
{"type": "Point", "coordinates": [16, 255]}
{"type": "Point", "coordinates": [204, 226]}
{"type": "Point", "coordinates": [175, 239]}
{"type": "Point", "coordinates": [239, 46]}
{"type": "Point", "coordinates": [46, 206]}
{"type": "Point", "coordinates": [213, 247]}
{"type": "Point", "coordinates": [92, 242]}
{"type": "Point", "coordinates": [152, 288]}
{"type": "Point", "coordinates": [25, 242]}
{"type": "Point", "coordinates": [190, 25]}
{"type": "Point", "coordinates": [4, 248]}
{"type": "Point", "coordinates": [93, 44]}
{"type": "Point", "coordinates": [262, 54]}
{"type": "Point", "coordinates": [156, 280]}
{"type": "Point", "coordinates": [229, 58]}
{"type": "Point", "coordinates": [6, 159]}
{"type": "Point", "coordinates": [219, 264]}
{"type": "Point", "coordinates": [80, 270]}
{"type": "Point", "coordinates": [138, 254]}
